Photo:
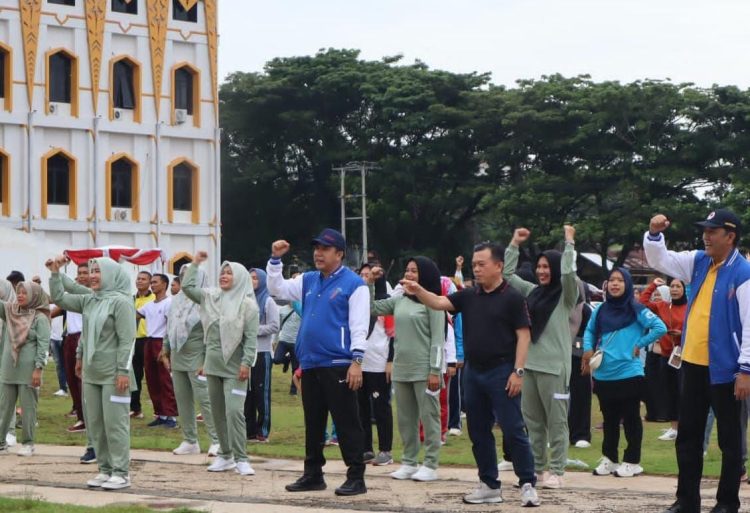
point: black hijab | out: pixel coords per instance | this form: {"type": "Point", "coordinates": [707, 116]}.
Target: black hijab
{"type": "Point", "coordinates": [381, 292]}
{"type": "Point", "coordinates": [429, 276]}
{"type": "Point", "coordinates": [544, 299]}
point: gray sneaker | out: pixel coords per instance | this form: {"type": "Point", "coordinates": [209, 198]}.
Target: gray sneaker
{"type": "Point", "coordinates": [484, 495]}
{"type": "Point", "coordinates": [383, 458]}
{"type": "Point", "coordinates": [529, 498]}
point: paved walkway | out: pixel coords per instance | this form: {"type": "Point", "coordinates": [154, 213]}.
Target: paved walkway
{"type": "Point", "coordinates": [162, 480]}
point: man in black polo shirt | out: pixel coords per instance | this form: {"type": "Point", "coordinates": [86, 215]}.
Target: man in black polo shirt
{"type": "Point", "coordinates": [496, 340]}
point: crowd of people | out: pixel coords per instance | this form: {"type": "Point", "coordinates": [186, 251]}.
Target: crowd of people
{"type": "Point", "coordinates": [521, 347]}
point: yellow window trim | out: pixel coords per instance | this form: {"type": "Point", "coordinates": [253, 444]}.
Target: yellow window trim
{"type": "Point", "coordinates": [195, 72]}
{"type": "Point", "coordinates": [74, 88]}
{"type": "Point", "coordinates": [7, 77]}
{"type": "Point", "coordinates": [137, 67]}
{"type": "Point", "coordinates": [135, 185]}
{"type": "Point", "coordinates": [5, 178]}
{"type": "Point", "coordinates": [195, 181]}
{"type": "Point", "coordinates": [175, 258]}
{"type": "Point", "coordinates": [72, 182]}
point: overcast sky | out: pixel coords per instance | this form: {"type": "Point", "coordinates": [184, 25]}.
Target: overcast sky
{"type": "Point", "coordinates": [705, 42]}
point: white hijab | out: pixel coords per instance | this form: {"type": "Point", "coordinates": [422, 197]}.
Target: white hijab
{"type": "Point", "coordinates": [184, 314]}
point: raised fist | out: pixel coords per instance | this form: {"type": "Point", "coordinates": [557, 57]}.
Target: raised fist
{"type": "Point", "coordinates": [570, 233]}
{"type": "Point", "coordinates": [376, 273]}
{"type": "Point", "coordinates": [279, 248]}
{"type": "Point", "coordinates": [658, 223]}
{"type": "Point", "coordinates": [659, 282]}
{"type": "Point", "coordinates": [200, 256]}
{"type": "Point", "coordinates": [520, 236]}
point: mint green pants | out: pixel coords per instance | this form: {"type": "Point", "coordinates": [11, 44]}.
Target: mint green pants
{"type": "Point", "coordinates": [414, 404]}
{"type": "Point", "coordinates": [188, 390]}
{"type": "Point", "coordinates": [227, 397]}
{"type": "Point", "coordinates": [29, 399]}
{"type": "Point", "coordinates": [108, 422]}
{"type": "Point", "coordinates": [544, 404]}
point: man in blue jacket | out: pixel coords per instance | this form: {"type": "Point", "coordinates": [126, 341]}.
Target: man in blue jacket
{"type": "Point", "coordinates": [330, 348]}
{"type": "Point", "coordinates": [715, 352]}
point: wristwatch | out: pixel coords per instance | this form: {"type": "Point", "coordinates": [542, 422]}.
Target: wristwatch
{"type": "Point", "coordinates": [358, 360]}
{"type": "Point", "coordinates": [519, 372]}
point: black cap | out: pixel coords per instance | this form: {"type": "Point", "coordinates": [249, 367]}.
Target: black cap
{"type": "Point", "coordinates": [721, 218]}
{"type": "Point", "coordinates": [330, 237]}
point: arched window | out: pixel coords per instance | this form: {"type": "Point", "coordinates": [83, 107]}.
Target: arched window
{"type": "Point", "coordinates": [186, 95]}
{"type": "Point", "coordinates": [183, 192]}
{"type": "Point", "coordinates": [6, 76]}
{"type": "Point", "coordinates": [59, 171]}
{"type": "Point", "coordinates": [180, 14]}
{"type": "Point", "coordinates": [5, 183]}
{"type": "Point", "coordinates": [125, 6]}
{"type": "Point", "coordinates": [178, 261]}
{"type": "Point", "coordinates": [62, 2]}
{"type": "Point", "coordinates": [125, 87]}
{"type": "Point", "coordinates": [62, 80]}
{"type": "Point", "coordinates": [123, 191]}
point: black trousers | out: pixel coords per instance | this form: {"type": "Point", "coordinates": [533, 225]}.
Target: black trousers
{"type": "Point", "coordinates": [621, 400]}
{"type": "Point", "coordinates": [284, 355]}
{"type": "Point", "coordinates": [325, 389]}
{"type": "Point", "coordinates": [375, 401]}
{"type": "Point", "coordinates": [135, 396]}
{"type": "Point", "coordinates": [697, 395]}
{"type": "Point", "coordinates": [258, 400]}
{"type": "Point", "coordinates": [655, 391]}
{"type": "Point", "coordinates": [455, 400]}
{"type": "Point", "coordinates": [579, 413]}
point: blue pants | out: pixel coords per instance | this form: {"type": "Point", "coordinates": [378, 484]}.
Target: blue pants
{"type": "Point", "coordinates": [485, 399]}
{"type": "Point", "coordinates": [57, 354]}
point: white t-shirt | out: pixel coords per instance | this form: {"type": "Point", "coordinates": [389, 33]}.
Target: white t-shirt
{"type": "Point", "coordinates": [155, 313]}
{"type": "Point", "coordinates": [56, 326]}
{"type": "Point", "coordinates": [376, 356]}
{"type": "Point", "coordinates": [74, 322]}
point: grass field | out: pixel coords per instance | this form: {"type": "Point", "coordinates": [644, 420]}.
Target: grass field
{"type": "Point", "coordinates": [287, 433]}
{"type": "Point", "coordinates": [31, 505]}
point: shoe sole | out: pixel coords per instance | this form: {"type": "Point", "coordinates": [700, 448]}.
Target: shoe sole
{"type": "Point", "coordinates": [402, 478]}
{"type": "Point", "coordinates": [349, 494]}
{"type": "Point", "coordinates": [89, 462]}
{"type": "Point", "coordinates": [222, 469]}
{"type": "Point", "coordinates": [245, 473]}
{"type": "Point", "coordinates": [316, 488]}
{"type": "Point", "coordinates": [380, 464]}
{"type": "Point", "coordinates": [491, 500]}
{"type": "Point", "coordinates": [531, 504]}
{"type": "Point", "coordinates": [116, 487]}
{"type": "Point", "coordinates": [423, 480]}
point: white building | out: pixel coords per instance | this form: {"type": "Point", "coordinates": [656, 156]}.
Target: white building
{"type": "Point", "coordinates": [108, 123]}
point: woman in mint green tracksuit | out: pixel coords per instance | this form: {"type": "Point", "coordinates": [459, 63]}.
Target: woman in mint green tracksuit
{"type": "Point", "coordinates": [25, 340]}
{"type": "Point", "coordinates": [107, 342]}
{"type": "Point", "coordinates": [230, 324]}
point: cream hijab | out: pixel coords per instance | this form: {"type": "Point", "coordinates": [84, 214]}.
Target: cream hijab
{"type": "Point", "coordinates": [183, 313]}
{"type": "Point", "coordinates": [19, 319]}
{"type": "Point", "coordinates": [227, 308]}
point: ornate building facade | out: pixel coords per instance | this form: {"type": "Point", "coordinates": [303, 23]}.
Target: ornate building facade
{"type": "Point", "coordinates": [108, 123]}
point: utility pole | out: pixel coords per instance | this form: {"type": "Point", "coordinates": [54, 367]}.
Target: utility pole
{"type": "Point", "coordinates": [361, 168]}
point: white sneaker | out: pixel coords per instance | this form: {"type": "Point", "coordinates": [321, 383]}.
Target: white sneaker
{"type": "Point", "coordinates": [425, 474]}
{"type": "Point", "coordinates": [628, 470]}
{"type": "Point", "coordinates": [669, 435]}
{"type": "Point", "coordinates": [529, 497]}
{"type": "Point", "coordinates": [243, 468]}
{"type": "Point", "coordinates": [504, 466]}
{"type": "Point", "coordinates": [98, 480]}
{"type": "Point", "coordinates": [484, 495]}
{"type": "Point", "coordinates": [454, 432]}
{"type": "Point", "coordinates": [187, 448]}
{"type": "Point", "coordinates": [582, 444]}
{"type": "Point", "coordinates": [605, 467]}
{"type": "Point", "coordinates": [116, 483]}
{"type": "Point", "coordinates": [10, 439]}
{"type": "Point", "coordinates": [553, 482]}
{"type": "Point", "coordinates": [26, 450]}
{"type": "Point", "coordinates": [214, 449]}
{"type": "Point", "coordinates": [405, 472]}
{"type": "Point", "coordinates": [222, 465]}
{"type": "Point", "coordinates": [61, 393]}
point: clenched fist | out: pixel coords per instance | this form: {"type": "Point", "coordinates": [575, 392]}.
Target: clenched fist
{"type": "Point", "coordinates": [200, 256]}
{"type": "Point", "coordinates": [520, 236]}
{"type": "Point", "coordinates": [375, 274]}
{"type": "Point", "coordinates": [658, 223]}
{"type": "Point", "coordinates": [570, 233]}
{"type": "Point", "coordinates": [279, 248]}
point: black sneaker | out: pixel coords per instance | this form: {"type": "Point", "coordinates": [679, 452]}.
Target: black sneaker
{"type": "Point", "coordinates": [368, 457]}
{"type": "Point", "coordinates": [89, 456]}
{"type": "Point", "coordinates": [307, 484]}
{"type": "Point", "coordinates": [156, 422]}
{"type": "Point", "coordinates": [352, 487]}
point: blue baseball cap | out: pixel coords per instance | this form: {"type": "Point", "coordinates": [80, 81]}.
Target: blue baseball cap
{"type": "Point", "coordinates": [722, 218]}
{"type": "Point", "coordinates": [330, 237]}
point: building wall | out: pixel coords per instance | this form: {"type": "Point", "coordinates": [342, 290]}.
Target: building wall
{"type": "Point", "coordinates": [28, 131]}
